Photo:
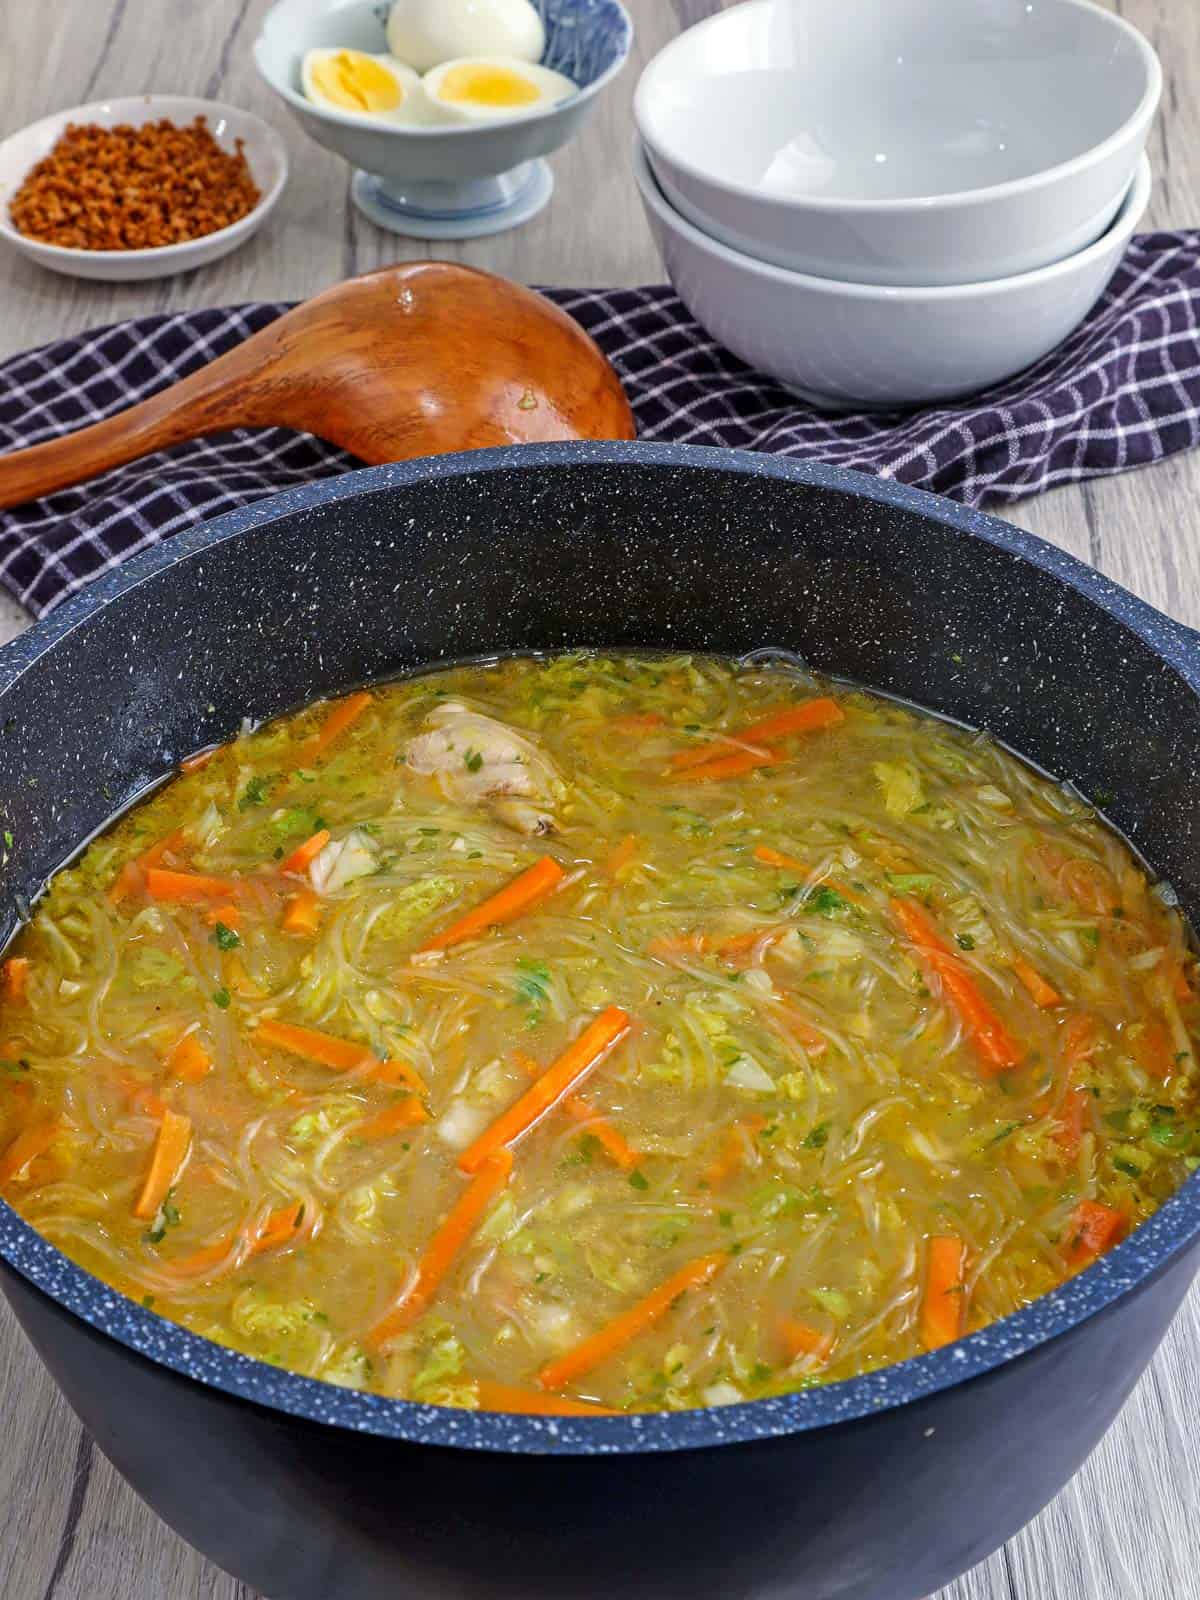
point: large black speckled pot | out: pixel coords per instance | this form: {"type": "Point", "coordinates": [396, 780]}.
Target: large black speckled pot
{"type": "Point", "coordinates": [881, 1488]}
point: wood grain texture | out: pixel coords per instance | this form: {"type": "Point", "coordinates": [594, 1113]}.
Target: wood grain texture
{"type": "Point", "coordinates": [1128, 1526]}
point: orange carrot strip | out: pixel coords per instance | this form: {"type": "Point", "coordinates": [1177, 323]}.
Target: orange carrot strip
{"type": "Point", "coordinates": [812, 1041]}
{"type": "Point", "coordinates": [637, 722]}
{"type": "Point", "coordinates": [444, 1248]}
{"type": "Point", "coordinates": [528, 1402]}
{"type": "Point", "coordinates": [189, 1060]}
{"type": "Point", "coordinates": [624, 1329]}
{"type": "Point", "coordinates": [993, 1043]}
{"type": "Point", "coordinates": [802, 1339]}
{"type": "Point", "coordinates": [730, 766]}
{"type": "Point", "coordinates": [162, 884]}
{"type": "Point", "coordinates": [524, 892]}
{"type": "Point", "coordinates": [339, 1054]}
{"type": "Point", "coordinates": [405, 1113]}
{"type": "Point", "coordinates": [170, 1151]}
{"type": "Point", "coordinates": [1072, 1120]}
{"type": "Point", "coordinates": [614, 1143]}
{"type": "Point", "coordinates": [733, 1151]}
{"type": "Point", "coordinates": [599, 1037]}
{"type": "Point", "coordinates": [1094, 1229]}
{"type": "Point", "coordinates": [200, 759]}
{"type": "Point", "coordinates": [230, 916]}
{"type": "Point", "coordinates": [681, 944]}
{"type": "Point", "coordinates": [776, 858]}
{"type": "Point", "coordinates": [622, 856]}
{"type": "Point", "coordinates": [142, 1097]}
{"type": "Point", "coordinates": [343, 716]}
{"type": "Point", "coordinates": [1085, 882]}
{"type": "Point", "coordinates": [806, 718]}
{"type": "Point", "coordinates": [131, 878]}
{"type": "Point", "coordinates": [1040, 992]}
{"type": "Point", "coordinates": [16, 979]}
{"type": "Point", "coordinates": [307, 852]}
{"type": "Point", "coordinates": [30, 1143]}
{"type": "Point", "coordinates": [279, 1228]}
{"type": "Point", "coordinates": [944, 1303]}
{"type": "Point", "coordinates": [302, 913]}
{"type": "Point", "coordinates": [1154, 1051]}
{"type": "Point", "coordinates": [734, 950]}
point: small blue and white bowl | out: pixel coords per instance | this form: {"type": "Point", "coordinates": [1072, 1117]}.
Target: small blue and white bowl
{"type": "Point", "coordinates": [445, 182]}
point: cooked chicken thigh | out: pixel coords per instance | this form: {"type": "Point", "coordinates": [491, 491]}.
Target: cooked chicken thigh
{"type": "Point", "coordinates": [474, 758]}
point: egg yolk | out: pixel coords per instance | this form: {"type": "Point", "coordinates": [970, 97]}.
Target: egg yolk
{"type": "Point", "coordinates": [487, 86]}
{"type": "Point", "coordinates": [353, 80]}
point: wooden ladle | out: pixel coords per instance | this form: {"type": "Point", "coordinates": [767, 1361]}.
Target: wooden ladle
{"type": "Point", "coordinates": [413, 360]}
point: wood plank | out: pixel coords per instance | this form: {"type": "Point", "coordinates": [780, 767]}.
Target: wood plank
{"type": "Point", "coordinates": [1127, 1528]}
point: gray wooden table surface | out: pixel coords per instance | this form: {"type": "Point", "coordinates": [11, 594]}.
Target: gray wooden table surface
{"type": "Point", "coordinates": [1128, 1526]}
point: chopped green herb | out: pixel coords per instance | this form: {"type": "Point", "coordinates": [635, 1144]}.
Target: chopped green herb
{"type": "Point", "coordinates": [965, 941]}
{"type": "Point", "coordinates": [473, 760]}
{"type": "Point", "coordinates": [818, 1137]}
{"type": "Point", "coordinates": [222, 998]}
{"type": "Point", "coordinates": [637, 1180]}
{"type": "Point", "coordinates": [254, 793]}
{"type": "Point", "coordinates": [226, 938]}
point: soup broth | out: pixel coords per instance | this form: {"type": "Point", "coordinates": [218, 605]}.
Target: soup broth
{"type": "Point", "coordinates": [597, 1032]}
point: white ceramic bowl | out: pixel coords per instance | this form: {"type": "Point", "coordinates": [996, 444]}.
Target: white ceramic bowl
{"type": "Point", "coordinates": [446, 181]}
{"type": "Point", "coordinates": [861, 346]}
{"type": "Point", "coordinates": [901, 141]}
{"type": "Point", "coordinates": [265, 156]}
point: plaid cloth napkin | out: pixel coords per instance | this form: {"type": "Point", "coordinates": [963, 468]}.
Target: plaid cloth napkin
{"type": "Point", "coordinates": [1122, 391]}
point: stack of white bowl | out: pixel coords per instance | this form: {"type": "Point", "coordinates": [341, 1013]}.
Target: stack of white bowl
{"type": "Point", "coordinates": [893, 202]}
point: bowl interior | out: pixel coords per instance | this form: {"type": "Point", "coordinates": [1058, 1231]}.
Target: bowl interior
{"type": "Point", "coordinates": [227, 124]}
{"type": "Point", "coordinates": [885, 100]}
{"type": "Point", "coordinates": [585, 39]}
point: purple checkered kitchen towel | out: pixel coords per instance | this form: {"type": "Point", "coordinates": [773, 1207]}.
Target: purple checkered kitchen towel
{"type": "Point", "coordinates": [1122, 391]}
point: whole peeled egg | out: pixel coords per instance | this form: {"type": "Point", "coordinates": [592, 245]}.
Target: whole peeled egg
{"type": "Point", "coordinates": [427, 32]}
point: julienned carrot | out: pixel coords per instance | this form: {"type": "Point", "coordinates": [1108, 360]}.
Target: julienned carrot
{"type": "Point", "coordinates": [343, 716]}
{"type": "Point", "coordinates": [806, 718]}
{"type": "Point", "coordinates": [728, 766]}
{"type": "Point", "coordinates": [16, 979]}
{"type": "Point", "coordinates": [802, 1339]}
{"type": "Point", "coordinates": [132, 875]}
{"type": "Point", "coordinates": [599, 1037]}
{"type": "Point", "coordinates": [1040, 992]}
{"type": "Point", "coordinates": [1094, 1228]}
{"type": "Point", "coordinates": [302, 914]}
{"type": "Point", "coordinates": [732, 1155]}
{"type": "Point", "coordinates": [163, 884]}
{"type": "Point", "coordinates": [444, 1248]}
{"type": "Point", "coordinates": [406, 1113]}
{"type": "Point", "coordinates": [944, 1301]}
{"type": "Point", "coordinates": [735, 950]}
{"type": "Point", "coordinates": [637, 721]}
{"type": "Point", "coordinates": [280, 1228]}
{"type": "Point", "coordinates": [994, 1045]}
{"type": "Point", "coordinates": [229, 915]}
{"type": "Point", "coordinates": [170, 1152]}
{"type": "Point", "coordinates": [189, 1060]}
{"type": "Point", "coordinates": [1072, 1120]}
{"type": "Point", "coordinates": [200, 759]}
{"type": "Point", "coordinates": [1153, 1050]}
{"type": "Point", "coordinates": [340, 1054]}
{"type": "Point", "coordinates": [304, 854]}
{"type": "Point", "coordinates": [623, 1330]}
{"type": "Point", "coordinates": [142, 1096]}
{"type": "Point", "coordinates": [612, 1142]}
{"type": "Point", "coordinates": [524, 892]}
{"type": "Point", "coordinates": [813, 1042]}
{"type": "Point", "coordinates": [622, 856]}
{"type": "Point", "coordinates": [530, 1402]}
{"type": "Point", "coordinates": [30, 1143]}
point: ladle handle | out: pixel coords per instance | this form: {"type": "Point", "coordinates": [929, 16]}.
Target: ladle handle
{"type": "Point", "coordinates": [223, 394]}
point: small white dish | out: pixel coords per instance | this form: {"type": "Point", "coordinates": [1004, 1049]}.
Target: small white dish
{"type": "Point", "coordinates": [265, 156]}
{"type": "Point", "coordinates": [854, 346]}
{"type": "Point", "coordinates": [448, 181]}
{"type": "Point", "coordinates": [901, 141]}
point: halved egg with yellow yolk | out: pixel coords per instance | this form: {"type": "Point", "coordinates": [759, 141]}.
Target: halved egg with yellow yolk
{"type": "Point", "coordinates": [363, 85]}
{"type": "Point", "coordinates": [488, 88]}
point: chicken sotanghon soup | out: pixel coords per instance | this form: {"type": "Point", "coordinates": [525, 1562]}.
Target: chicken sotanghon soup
{"type": "Point", "coordinates": [597, 1033]}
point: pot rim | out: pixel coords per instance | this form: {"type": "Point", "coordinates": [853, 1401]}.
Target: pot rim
{"type": "Point", "coordinates": [1148, 1249]}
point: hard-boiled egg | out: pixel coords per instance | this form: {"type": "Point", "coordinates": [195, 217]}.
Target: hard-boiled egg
{"type": "Point", "coordinates": [361, 84]}
{"type": "Point", "coordinates": [428, 32]}
{"type": "Point", "coordinates": [489, 88]}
